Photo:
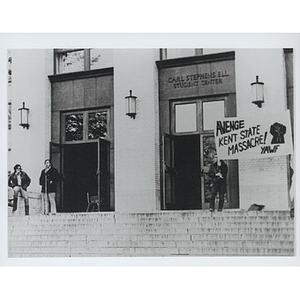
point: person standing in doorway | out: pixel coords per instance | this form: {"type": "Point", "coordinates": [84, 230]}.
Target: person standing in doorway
{"type": "Point", "coordinates": [19, 182]}
{"type": "Point", "coordinates": [217, 172]}
{"type": "Point", "coordinates": [48, 180]}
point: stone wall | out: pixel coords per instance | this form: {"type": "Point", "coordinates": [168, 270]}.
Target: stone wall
{"type": "Point", "coordinates": [264, 181]}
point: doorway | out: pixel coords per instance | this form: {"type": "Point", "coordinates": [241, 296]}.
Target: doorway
{"type": "Point", "coordinates": [187, 166]}
{"type": "Point", "coordinates": [80, 172]}
{"type": "Point", "coordinates": [182, 177]}
{"type": "Point", "coordinates": [186, 156]}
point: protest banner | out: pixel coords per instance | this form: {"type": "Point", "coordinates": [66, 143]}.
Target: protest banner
{"type": "Point", "coordinates": [255, 136]}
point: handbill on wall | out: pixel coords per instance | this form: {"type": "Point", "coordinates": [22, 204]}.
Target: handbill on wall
{"type": "Point", "coordinates": [256, 136]}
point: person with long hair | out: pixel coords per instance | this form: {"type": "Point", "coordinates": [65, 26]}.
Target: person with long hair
{"type": "Point", "coordinates": [48, 180]}
{"type": "Point", "coordinates": [19, 182]}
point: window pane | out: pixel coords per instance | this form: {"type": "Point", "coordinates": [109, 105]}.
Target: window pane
{"type": "Point", "coordinates": [74, 127]}
{"type": "Point", "coordinates": [184, 52]}
{"type": "Point", "coordinates": [71, 61]}
{"type": "Point", "coordinates": [185, 117]}
{"type": "Point", "coordinates": [212, 111]}
{"type": "Point", "coordinates": [97, 124]}
{"type": "Point", "coordinates": [101, 58]}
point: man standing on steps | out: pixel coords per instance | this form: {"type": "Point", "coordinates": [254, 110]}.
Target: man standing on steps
{"type": "Point", "coordinates": [48, 180]}
{"type": "Point", "coordinates": [217, 172]}
{"type": "Point", "coordinates": [19, 181]}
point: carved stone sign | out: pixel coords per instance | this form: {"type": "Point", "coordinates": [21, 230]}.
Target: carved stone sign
{"type": "Point", "coordinates": [198, 79]}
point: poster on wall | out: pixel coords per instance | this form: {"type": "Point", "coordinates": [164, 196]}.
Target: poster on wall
{"type": "Point", "coordinates": [254, 136]}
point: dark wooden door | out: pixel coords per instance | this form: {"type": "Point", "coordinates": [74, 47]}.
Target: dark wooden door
{"type": "Point", "coordinates": [168, 173]}
{"type": "Point", "coordinates": [182, 185]}
{"type": "Point", "coordinates": [56, 151]}
{"type": "Point", "coordinates": [104, 174]}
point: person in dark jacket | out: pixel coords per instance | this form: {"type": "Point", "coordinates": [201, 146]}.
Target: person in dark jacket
{"type": "Point", "coordinates": [217, 173]}
{"type": "Point", "coordinates": [48, 180]}
{"type": "Point", "coordinates": [19, 181]}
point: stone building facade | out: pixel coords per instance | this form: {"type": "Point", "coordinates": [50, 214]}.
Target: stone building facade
{"type": "Point", "coordinates": [157, 160]}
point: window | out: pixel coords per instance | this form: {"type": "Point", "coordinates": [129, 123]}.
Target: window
{"type": "Point", "coordinates": [9, 78]}
{"type": "Point", "coordinates": [169, 53]}
{"type": "Point", "coordinates": [196, 116]}
{"type": "Point", "coordinates": [70, 61]}
{"type": "Point", "coordinates": [74, 127]}
{"type": "Point", "coordinates": [97, 125]}
{"type": "Point", "coordinates": [85, 126]}
{"type": "Point", "coordinates": [185, 117]}
{"type": "Point", "coordinates": [176, 53]}
{"type": "Point", "coordinates": [75, 60]}
{"type": "Point", "coordinates": [9, 115]}
{"type": "Point", "coordinates": [212, 111]}
{"type": "Point", "coordinates": [100, 58]}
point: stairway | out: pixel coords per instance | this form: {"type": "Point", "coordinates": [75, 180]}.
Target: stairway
{"type": "Point", "coordinates": [169, 233]}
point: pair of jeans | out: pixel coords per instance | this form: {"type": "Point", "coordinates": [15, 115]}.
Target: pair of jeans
{"type": "Point", "coordinates": [217, 188]}
{"type": "Point", "coordinates": [47, 199]}
{"type": "Point", "coordinates": [19, 190]}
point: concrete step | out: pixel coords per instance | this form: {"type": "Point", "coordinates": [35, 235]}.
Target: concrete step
{"type": "Point", "coordinates": [150, 237]}
{"type": "Point", "coordinates": [155, 244]}
{"type": "Point", "coordinates": [198, 233]}
{"type": "Point", "coordinates": [157, 216]}
{"type": "Point", "coordinates": [48, 227]}
{"type": "Point", "coordinates": [208, 223]}
{"type": "Point", "coordinates": [59, 234]}
{"type": "Point", "coordinates": [147, 251]}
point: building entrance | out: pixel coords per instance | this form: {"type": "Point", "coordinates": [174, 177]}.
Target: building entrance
{"type": "Point", "coordinates": [187, 168]}
{"type": "Point", "coordinates": [194, 93]}
{"type": "Point", "coordinates": [85, 169]}
{"type": "Point", "coordinates": [187, 156]}
{"type": "Point", "coordinates": [80, 172]}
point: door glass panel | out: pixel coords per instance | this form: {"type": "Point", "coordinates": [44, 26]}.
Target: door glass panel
{"type": "Point", "coordinates": [97, 125]}
{"type": "Point", "coordinates": [74, 127]}
{"type": "Point", "coordinates": [212, 111]}
{"type": "Point", "coordinates": [185, 117]}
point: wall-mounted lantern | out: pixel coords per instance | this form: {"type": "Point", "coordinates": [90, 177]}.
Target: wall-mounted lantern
{"type": "Point", "coordinates": [131, 105]}
{"type": "Point", "coordinates": [24, 116]}
{"type": "Point", "coordinates": [257, 92]}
